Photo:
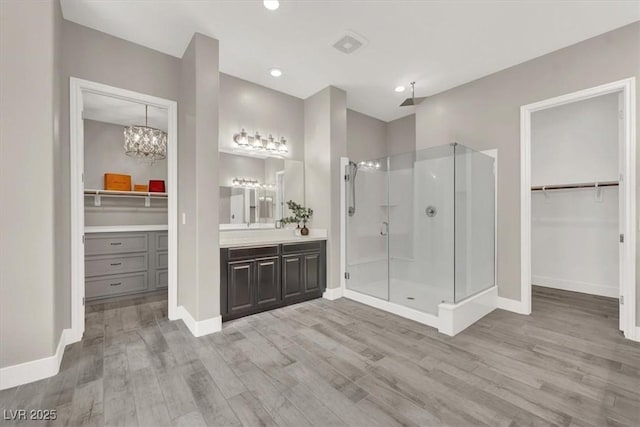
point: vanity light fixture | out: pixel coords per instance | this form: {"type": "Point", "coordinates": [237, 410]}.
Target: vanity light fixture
{"type": "Point", "coordinates": [250, 183]}
{"type": "Point", "coordinates": [269, 147]}
{"type": "Point", "coordinates": [369, 165]}
{"type": "Point", "coordinates": [145, 142]}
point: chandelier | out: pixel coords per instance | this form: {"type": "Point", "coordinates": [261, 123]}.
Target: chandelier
{"type": "Point", "coordinates": [145, 142]}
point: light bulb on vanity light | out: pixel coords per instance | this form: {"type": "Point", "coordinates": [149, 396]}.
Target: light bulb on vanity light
{"type": "Point", "coordinates": [282, 147]}
{"type": "Point", "coordinates": [257, 142]}
{"type": "Point", "coordinates": [241, 139]}
{"type": "Point", "coordinates": [271, 144]}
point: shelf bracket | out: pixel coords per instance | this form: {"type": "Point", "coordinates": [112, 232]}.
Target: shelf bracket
{"type": "Point", "coordinates": [97, 200]}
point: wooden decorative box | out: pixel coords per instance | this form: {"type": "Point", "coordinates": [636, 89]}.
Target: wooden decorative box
{"type": "Point", "coordinates": [143, 188]}
{"type": "Point", "coordinates": [117, 182]}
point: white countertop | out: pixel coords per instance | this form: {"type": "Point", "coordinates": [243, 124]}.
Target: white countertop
{"type": "Point", "coordinates": [124, 228]}
{"type": "Point", "coordinates": [234, 239]}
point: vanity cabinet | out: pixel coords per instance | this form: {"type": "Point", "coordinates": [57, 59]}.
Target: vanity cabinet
{"type": "Point", "coordinates": [119, 264]}
{"type": "Point", "coordinates": [255, 279]}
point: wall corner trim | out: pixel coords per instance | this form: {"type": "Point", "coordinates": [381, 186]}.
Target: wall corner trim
{"type": "Point", "coordinates": [512, 305]}
{"type": "Point", "coordinates": [332, 294]}
{"type": "Point", "coordinates": [27, 372]}
{"type": "Point", "coordinates": [202, 327]}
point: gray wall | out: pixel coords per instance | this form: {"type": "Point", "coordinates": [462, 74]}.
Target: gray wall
{"type": "Point", "coordinates": [325, 121]}
{"type": "Point", "coordinates": [256, 108]}
{"type": "Point", "coordinates": [103, 152]}
{"type": "Point", "coordinates": [198, 253]}
{"type": "Point", "coordinates": [28, 116]}
{"type": "Point", "coordinates": [485, 114]}
{"type": "Point", "coordinates": [366, 137]}
{"type": "Point", "coordinates": [401, 135]}
{"type": "Point", "coordinates": [96, 56]}
{"type": "Point", "coordinates": [61, 218]}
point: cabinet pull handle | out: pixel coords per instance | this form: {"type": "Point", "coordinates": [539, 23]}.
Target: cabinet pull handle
{"type": "Point", "coordinates": [116, 263]}
{"type": "Point", "coordinates": [115, 243]}
{"type": "Point", "coordinates": [115, 284]}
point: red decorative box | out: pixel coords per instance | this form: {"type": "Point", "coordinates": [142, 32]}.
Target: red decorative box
{"type": "Point", "coordinates": [156, 186]}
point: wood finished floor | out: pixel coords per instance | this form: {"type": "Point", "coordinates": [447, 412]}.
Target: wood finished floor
{"type": "Point", "coordinates": [325, 363]}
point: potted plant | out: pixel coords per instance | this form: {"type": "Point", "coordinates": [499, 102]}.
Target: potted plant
{"type": "Point", "coordinates": [300, 215]}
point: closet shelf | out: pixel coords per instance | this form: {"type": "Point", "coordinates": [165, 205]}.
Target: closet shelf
{"type": "Point", "coordinates": [572, 186]}
{"type": "Point", "coordinates": [147, 196]}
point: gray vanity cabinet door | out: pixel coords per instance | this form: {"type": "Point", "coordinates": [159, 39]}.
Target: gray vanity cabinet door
{"type": "Point", "coordinates": [267, 281]}
{"type": "Point", "coordinates": [311, 272]}
{"type": "Point", "coordinates": [292, 286]}
{"type": "Point", "coordinates": [240, 289]}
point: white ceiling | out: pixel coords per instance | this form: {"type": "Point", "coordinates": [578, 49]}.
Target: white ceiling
{"type": "Point", "coordinates": [121, 112]}
{"type": "Point", "coordinates": [440, 44]}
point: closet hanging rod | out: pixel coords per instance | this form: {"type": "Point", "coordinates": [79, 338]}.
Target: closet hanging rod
{"type": "Point", "coordinates": [571, 186]}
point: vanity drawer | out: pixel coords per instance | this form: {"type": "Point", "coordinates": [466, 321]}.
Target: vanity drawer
{"type": "Point", "coordinates": [161, 241]}
{"type": "Point", "coordinates": [162, 260]}
{"type": "Point", "coordinates": [253, 252]}
{"type": "Point", "coordinates": [117, 284]}
{"type": "Point", "coordinates": [104, 265]}
{"type": "Point", "coordinates": [162, 279]}
{"type": "Point", "coordinates": [109, 243]}
{"type": "Point", "coordinates": [290, 248]}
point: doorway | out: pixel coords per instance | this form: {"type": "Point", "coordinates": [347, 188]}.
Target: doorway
{"type": "Point", "coordinates": [79, 91]}
{"type": "Point", "coordinates": [588, 173]}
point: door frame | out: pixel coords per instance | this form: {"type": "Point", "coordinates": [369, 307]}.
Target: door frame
{"type": "Point", "coordinates": [76, 133]}
{"type": "Point", "coordinates": [627, 194]}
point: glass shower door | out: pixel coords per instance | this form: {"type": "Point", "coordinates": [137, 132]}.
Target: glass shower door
{"type": "Point", "coordinates": [368, 228]}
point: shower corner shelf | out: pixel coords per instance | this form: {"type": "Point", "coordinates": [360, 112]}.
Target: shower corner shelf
{"type": "Point", "coordinates": [98, 194]}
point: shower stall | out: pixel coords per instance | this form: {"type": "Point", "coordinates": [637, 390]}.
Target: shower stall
{"type": "Point", "coordinates": [420, 235]}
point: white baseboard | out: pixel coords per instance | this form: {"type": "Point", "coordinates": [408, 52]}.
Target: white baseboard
{"type": "Point", "coordinates": [35, 370]}
{"type": "Point", "coordinates": [576, 286]}
{"type": "Point", "coordinates": [332, 294]}
{"type": "Point", "coordinates": [512, 305]}
{"type": "Point", "coordinates": [202, 327]}
{"type": "Point", "coordinates": [455, 318]}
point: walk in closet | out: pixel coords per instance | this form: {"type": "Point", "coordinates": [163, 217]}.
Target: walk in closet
{"type": "Point", "coordinates": [575, 206]}
{"type": "Point", "coordinates": [125, 213]}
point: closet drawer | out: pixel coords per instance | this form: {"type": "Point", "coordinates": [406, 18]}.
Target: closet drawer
{"type": "Point", "coordinates": [117, 284]}
{"type": "Point", "coordinates": [162, 260]}
{"type": "Point", "coordinates": [162, 241]}
{"type": "Point", "coordinates": [104, 265]}
{"type": "Point", "coordinates": [162, 279]}
{"type": "Point", "coordinates": [109, 243]}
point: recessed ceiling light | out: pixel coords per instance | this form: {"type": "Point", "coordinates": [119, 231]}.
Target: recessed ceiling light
{"type": "Point", "coordinates": [275, 72]}
{"type": "Point", "coordinates": [399, 88]}
{"type": "Point", "coordinates": [271, 4]}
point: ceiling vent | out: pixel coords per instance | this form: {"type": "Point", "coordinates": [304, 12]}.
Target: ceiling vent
{"type": "Point", "coordinates": [350, 42]}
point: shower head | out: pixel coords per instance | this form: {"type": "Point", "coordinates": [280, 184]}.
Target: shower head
{"type": "Point", "coordinates": [413, 100]}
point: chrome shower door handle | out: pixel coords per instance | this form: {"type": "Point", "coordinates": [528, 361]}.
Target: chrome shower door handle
{"type": "Point", "coordinates": [384, 228]}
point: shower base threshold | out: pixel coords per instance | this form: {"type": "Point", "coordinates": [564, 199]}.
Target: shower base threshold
{"type": "Point", "coordinates": [451, 319]}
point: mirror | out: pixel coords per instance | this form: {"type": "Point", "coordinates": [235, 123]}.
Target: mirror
{"type": "Point", "coordinates": [254, 191]}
